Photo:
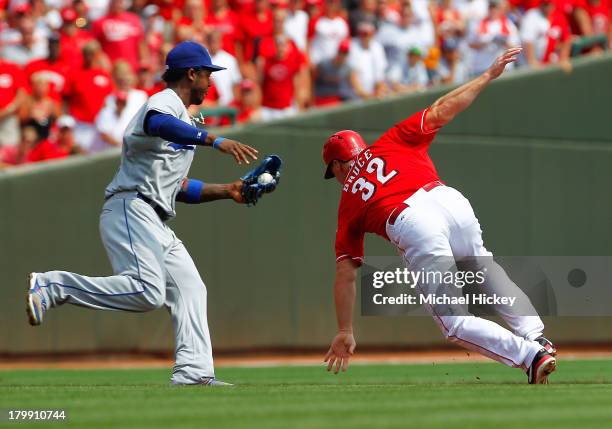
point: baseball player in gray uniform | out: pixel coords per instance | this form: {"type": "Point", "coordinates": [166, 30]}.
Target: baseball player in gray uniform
{"type": "Point", "coordinates": [151, 266]}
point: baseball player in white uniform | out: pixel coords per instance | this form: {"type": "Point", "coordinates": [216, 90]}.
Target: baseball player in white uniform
{"type": "Point", "coordinates": [151, 266]}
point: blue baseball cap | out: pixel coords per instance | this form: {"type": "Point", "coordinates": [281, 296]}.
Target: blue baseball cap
{"type": "Point", "coordinates": [189, 54]}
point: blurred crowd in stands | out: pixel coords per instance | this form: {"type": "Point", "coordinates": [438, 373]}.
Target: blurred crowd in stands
{"type": "Point", "coordinates": [73, 73]}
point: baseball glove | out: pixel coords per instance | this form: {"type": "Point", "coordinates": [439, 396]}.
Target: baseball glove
{"type": "Point", "coordinates": [254, 185]}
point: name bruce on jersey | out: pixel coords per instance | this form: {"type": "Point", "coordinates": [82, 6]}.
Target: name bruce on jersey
{"type": "Point", "coordinates": [360, 162]}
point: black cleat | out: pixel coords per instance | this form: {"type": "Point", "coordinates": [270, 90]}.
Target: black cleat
{"type": "Point", "coordinates": [547, 344]}
{"type": "Point", "coordinates": [542, 366]}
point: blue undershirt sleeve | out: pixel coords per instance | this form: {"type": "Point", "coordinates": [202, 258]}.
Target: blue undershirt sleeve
{"type": "Point", "coordinates": [173, 129]}
{"type": "Point", "coordinates": [193, 193]}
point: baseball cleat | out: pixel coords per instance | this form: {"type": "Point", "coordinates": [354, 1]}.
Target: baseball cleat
{"type": "Point", "coordinates": [212, 381]}
{"type": "Point", "coordinates": [205, 381]}
{"type": "Point", "coordinates": [36, 304]}
{"type": "Point", "coordinates": [547, 344]}
{"type": "Point", "coordinates": [542, 366]}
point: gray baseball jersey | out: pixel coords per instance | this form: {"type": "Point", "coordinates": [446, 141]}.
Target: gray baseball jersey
{"type": "Point", "coordinates": [151, 165]}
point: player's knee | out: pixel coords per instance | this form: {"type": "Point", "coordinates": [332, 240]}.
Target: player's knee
{"type": "Point", "coordinates": [434, 258]}
{"type": "Point", "coordinates": [452, 325]}
{"type": "Point", "coordinates": [155, 296]}
{"type": "Point", "coordinates": [157, 301]}
{"type": "Point", "coordinates": [447, 335]}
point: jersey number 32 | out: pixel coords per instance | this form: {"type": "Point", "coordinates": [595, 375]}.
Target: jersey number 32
{"type": "Point", "coordinates": [367, 188]}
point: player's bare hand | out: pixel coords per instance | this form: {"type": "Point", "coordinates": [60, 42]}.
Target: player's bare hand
{"type": "Point", "coordinates": [341, 350]}
{"type": "Point", "coordinates": [509, 56]}
{"type": "Point", "coordinates": [241, 152]}
{"type": "Point", "coordinates": [235, 191]}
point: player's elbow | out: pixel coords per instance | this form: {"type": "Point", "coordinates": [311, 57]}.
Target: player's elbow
{"type": "Point", "coordinates": [346, 271]}
{"type": "Point", "coordinates": [343, 281]}
{"type": "Point", "coordinates": [439, 114]}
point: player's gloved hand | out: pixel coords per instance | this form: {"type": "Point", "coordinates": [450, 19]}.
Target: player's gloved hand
{"type": "Point", "coordinates": [263, 179]}
{"type": "Point", "coordinates": [341, 350]}
{"type": "Point", "coordinates": [241, 152]}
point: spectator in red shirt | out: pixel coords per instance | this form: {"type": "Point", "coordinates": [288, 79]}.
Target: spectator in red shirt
{"type": "Point", "coordinates": [61, 145]}
{"type": "Point", "coordinates": [267, 46]}
{"type": "Point", "coordinates": [599, 13]}
{"type": "Point", "coordinates": [268, 49]}
{"type": "Point", "coordinates": [248, 107]}
{"type": "Point", "coordinates": [224, 20]}
{"type": "Point", "coordinates": [121, 35]}
{"type": "Point", "coordinates": [85, 93]}
{"type": "Point", "coordinates": [255, 27]}
{"type": "Point", "coordinates": [72, 39]}
{"type": "Point", "coordinates": [448, 22]}
{"type": "Point", "coordinates": [39, 108]}
{"type": "Point", "coordinates": [194, 13]}
{"type": "Point", "coordinates": [546, 36]}
{"type": "Point", "coordinates": [279, 74]}
{"type": "Point", "coordinates": [153, 27]}
{"type": "Point", "coordinates": [11, 96]}
{"type": "Point", "coordinates": [15, 155]}
{"type": "Point", "coordinates": [558, 41]}
{"type": "Point", "coordinates": [576, 15]}
{"type": "Point", "coordinates": [147, 82]}
{"type": "Point", "coordinates": [243, 7]}
{"type": "Point", "coordinates": [52, 68]}
{"type": "Point", "coordinates": [246, 104]}
{"type": "Point", "coordinates": [170, 10]}
{"type": "Point", "coordinates": [191, 25]}
{"type": "Point", "coordinates": [183, 33]}
{"type": "Point", "coordinates": [519, 7]}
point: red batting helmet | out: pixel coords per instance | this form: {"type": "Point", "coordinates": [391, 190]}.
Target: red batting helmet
{"type": "Point", "coordinates": [344, 146]}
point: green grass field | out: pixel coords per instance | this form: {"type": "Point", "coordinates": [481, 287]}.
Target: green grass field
{"type": "Point", "coordinates": [474, 395]}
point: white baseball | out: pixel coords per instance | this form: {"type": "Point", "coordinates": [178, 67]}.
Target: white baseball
{"type": "Point", "coordinates": [265, 178]}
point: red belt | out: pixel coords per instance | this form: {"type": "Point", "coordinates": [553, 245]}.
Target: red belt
{"type": "Point", "coordinates": [402, 206]}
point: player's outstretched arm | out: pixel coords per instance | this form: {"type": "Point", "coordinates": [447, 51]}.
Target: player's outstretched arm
{"type": "Point", "coordinates": [173, 129]}
{"type": "Point", "coordinates": [261, 180]}
{"type": "Point", "coordinates": [240, 151]}
{"type": "Point", "coordinates": [343, 344]}
{"type": "Point", "coordinates": [447, 107]}
{"type": "Point", "coordinates": [195, 192]}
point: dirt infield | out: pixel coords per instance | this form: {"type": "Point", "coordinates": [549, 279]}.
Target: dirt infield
{"type": "Point", "coordinates": [279, 358]}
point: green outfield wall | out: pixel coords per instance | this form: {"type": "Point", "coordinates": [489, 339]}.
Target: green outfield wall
{"type": "Point", "coordinates": [533, 155]}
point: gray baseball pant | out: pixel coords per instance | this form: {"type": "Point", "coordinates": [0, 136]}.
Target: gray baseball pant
{"type": "Point", "coordinates": [151, 268]}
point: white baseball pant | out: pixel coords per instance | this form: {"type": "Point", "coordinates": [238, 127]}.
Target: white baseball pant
{"type": "Point", "coordinates": [438, 228]}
